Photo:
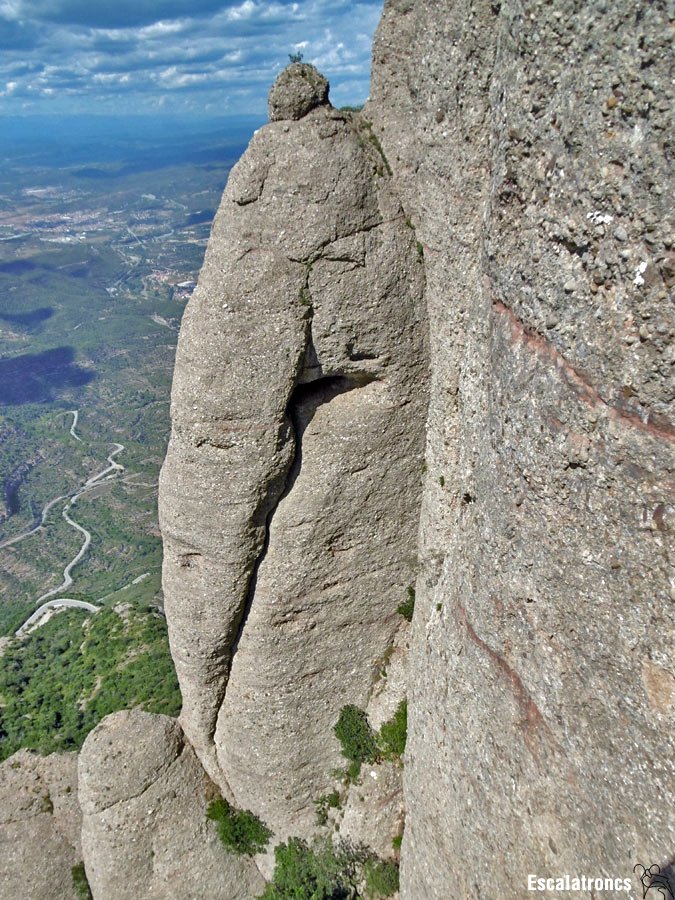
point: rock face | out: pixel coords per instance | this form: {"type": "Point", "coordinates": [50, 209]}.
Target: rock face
{"type": "Point", "coordinates": [298, 90]}
{"type": "Point", "coordinates": [529, 151]}
{"type": "Point", "coordinates": [290, 493]}
{"type": "Point", "coordinates": [145, 833]}
{"type": "Point", "coordinates": [39, 826]}
{"type": "Point", "coordinates": [506, 193]}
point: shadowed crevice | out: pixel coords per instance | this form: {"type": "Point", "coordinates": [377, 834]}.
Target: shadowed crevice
{"type": "Point", "coordinates": [305, 400]}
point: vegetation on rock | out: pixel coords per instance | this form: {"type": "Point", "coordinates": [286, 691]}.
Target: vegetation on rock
{"type": "Point", "coordinates": [327, 872]}
{"type": "Point", "coordinates": [393, 733]}
{"type": "Point", "coordinates": [356, 737]}
{"type": "Point", "coordinates": [360, 743]}
{"type": "Point", "coordinates": [324, 803]}
{"type": "Point", "coordinates": [239, 829]}
{"type": "Point", "coordinates": [381, 878]}
{"type": "Point", "coordinates": [80, 882]}
{"type": "Point", "coordinates": [407, 608]}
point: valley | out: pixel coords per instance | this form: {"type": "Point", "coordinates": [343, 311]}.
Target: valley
{"type": "Point", "coordinates": [101, 240]}
{"type": "Point", "coordinates": [102, 233]}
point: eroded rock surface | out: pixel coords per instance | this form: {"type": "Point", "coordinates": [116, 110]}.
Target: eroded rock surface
{"type": "Point", "coordinates": [298, 90]}
{"type": "Point", "coordinates": [290, 494]}
{"type": "Point", "coordinates": [145, 833]}
{"type": "Point", "coordinates": [530, 152]}
{"type": "Point", "coordinates": [39, 826]}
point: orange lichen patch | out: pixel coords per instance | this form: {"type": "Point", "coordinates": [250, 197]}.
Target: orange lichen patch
{"type": "Point", "coordinates": [660, 687]}
{"type": "Point", "coordinates": [585, 391]}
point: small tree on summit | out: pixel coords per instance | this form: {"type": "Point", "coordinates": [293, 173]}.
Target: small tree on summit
{"type": "Point", "coordinates": [296, 57]}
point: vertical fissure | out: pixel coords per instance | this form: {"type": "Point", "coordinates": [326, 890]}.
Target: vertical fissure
{"type": "Point", "coordinates": [312, 389]}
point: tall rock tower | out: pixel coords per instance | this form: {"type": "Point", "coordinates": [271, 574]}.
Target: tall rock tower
{"type": "Point", "coordinates": [291, 491]}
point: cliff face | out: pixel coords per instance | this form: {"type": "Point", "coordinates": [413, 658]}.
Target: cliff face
{"type": "Point", "coordinates": [483, 253]}
{"type": "Point", "coordinates": [528, 143]}
{"type": "Point", "coordinates": [40, 823]}
{"type": "Point", "coordinates": [145, 832]}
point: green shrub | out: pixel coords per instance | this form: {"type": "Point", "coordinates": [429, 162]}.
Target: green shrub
{"type": "Point", "coordinates": [356, 736]}
{"type": "Point", "coordinates": [407, 608]}
{"type": "Point", "coordinates": [80, 883]}
{"type": "Point", "coordinates": [12, 614]}
{"type": "Point", "coordinates": [393, 733]}
{"type": "Point", "coordinates": [59, 681]}
{"type": "Point", "coordinates": [381, 878]}
{"type": "Point", "coordinates": [353, 770]}
{"type": "Point", "coordinates": [397, 841]}
{"type": "Point", "coordinates": [327, 872]}
{"type": "Point", "coordinates": [239, 829]}
{"type": "Point", "coordinates": [301, 873]}
{"type": "Point", "coordinates": [324, 803]}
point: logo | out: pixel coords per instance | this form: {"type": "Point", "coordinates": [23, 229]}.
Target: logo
{"type": "Point", "coordinates": [654, 883]}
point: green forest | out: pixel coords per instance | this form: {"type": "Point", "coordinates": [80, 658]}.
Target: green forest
{"type": "Point", "coordinates": [57, 683]}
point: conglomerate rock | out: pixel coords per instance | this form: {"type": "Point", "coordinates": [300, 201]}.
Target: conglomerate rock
{"type": "Point", "coordinates": [290, 494]}
{"type": "Point", "coordinates": [298, 90]}
{"type": "Point", "coordinates": [529, 149]}
{"type": "Point", "coordinates": [145, 833]}
{"type": "Point", "coordinates": [39, 826]}
{"type": "Point", "coordinates": [513, 188]}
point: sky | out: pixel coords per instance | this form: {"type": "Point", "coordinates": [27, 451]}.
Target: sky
{"type": "Point", "coordinates": [183, 57]}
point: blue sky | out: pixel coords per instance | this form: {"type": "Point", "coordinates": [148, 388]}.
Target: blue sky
{"type": "Point", "coordinates": [201, 57]}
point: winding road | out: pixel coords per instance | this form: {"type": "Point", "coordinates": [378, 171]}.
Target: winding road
{"type": "Point", "coordinates": [75, 413]}
{"type": "Point", "coordinates": [43, 519]}
{"type": "Point", "coordinates": [106, 474]}
{"type": "Point", "coordinates": [35, 617]}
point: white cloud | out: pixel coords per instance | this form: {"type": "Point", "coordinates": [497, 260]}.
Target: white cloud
{"type": "Point", "coordinates": [161, 29]}
{"type": "Point", "coordinates": [223, 60]}
{"type": "Point", "coordinates": [10, 10]}
{"type": "Point", "coordinates": [111, 78]}
{"type": "Point", "coordinates": [245, 11]}
{"type": "Point", "coordinates": [172, 78]}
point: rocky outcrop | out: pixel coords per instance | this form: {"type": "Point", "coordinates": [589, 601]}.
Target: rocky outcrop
{"type": "Point", "coordinates": [145, 832]}
{"type": "Point", "coordinates": [505, 193]}
{"type": "Point", "coordinates": [39, 826]}
{"type": "Point", "coordinates": [290, 493]}
{"type": "Point", "coordinates": [297, 91]}
{"type": "Point", "coordinates": [530, 152]}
